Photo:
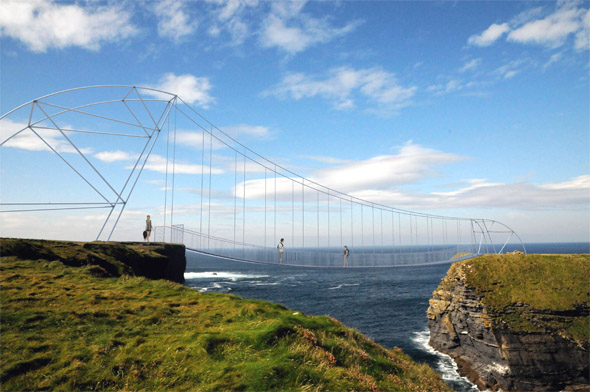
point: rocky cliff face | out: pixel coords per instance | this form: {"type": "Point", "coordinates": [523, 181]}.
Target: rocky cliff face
{"type": "Point", "coordinates": [495, 354]}
{"type": "Point", "coordinates": [152, 260]}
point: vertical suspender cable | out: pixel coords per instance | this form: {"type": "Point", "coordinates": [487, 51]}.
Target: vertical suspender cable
{"type": "Point", "coordinates": [210, 165]}
{"type": "Point", "coordinates": [173, 175]}
{"type": "Point", "coordinates": [293, 211]}
{"type": "Point", "coordinates": [235, 194]}
{"type": "Point", "coordinates": [244, 209]}
{"type": "Point", "coordinates": [392, 234]}
{"type": "Point", "coordinates": [303, 213]}
{"type": "Point", "coordinates": [362, 228]}
{"type": "Point", "coordinates": [373, 222]}
{"type": "Point", "coordinates": [328, 218]}
{"type": "Point", "coordinates": [275, 223]}
{"type": "Point", "coordinates": [351, 224]}
{"type": "Point", "coordinates": [340, 221]}
{"type": "Point", "coordinates": [381, 230]}
{"type": "Point", "coordinates": [399, 231]}
{"type": "Point", "coordinates": [411, 236]}
{"type": "Point", "coordinates": [265, 250]}
{"type": "Point", "coordinates": [202, 190]}
{"type": "Point", "coordinates": [318, 213]}
{"type": "Point", "coordinates": [166, 182]}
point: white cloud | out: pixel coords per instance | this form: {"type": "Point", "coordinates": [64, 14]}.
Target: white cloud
{"type": "Point", "coordinates": [489, 36]}
{"type": "Point", "coordinates": [376, 85]}
{"type": "Point", "coordinates": [194, 139]}
{"type": "Point", "coordinates": [536, 26]}
{"type": "Point", "coordinates": [510, 69]}
{"type": "Point", "coordinates": [191, 89]}
{"type": "Point", "coordinates": [470, 65]}
{"type": "Point", "coordinates": [44, 24]}
{"type": "Point", "coordinates": [228, 16]}
{"type": "Point", "coordinates": [446, 88]}
{"type": "Point", "coordinates": [552, 30]}
{"type": "Point", "coordinates": [292, 31]}
{"type": "Point", "coordinates": [583, 36]}
{"type": "Point", "coordinates": [381, 173]}
{"type": "Point", "coordinates": [157, 164]}
{"type": "Point", "coordinates": [580, 182]}
{"type": "Point", "coordinates": [27, 140]}
{"type": "Point", "coordinates": [115, 156]}
{"type": "Point", "coordinates": [173, 22]}
{"type": "Point", "coordinates": [412, 163]}
{"type": "Point", "coordinates": [257, 131]}
{"type": "Point", "coordinates": [522, 196]}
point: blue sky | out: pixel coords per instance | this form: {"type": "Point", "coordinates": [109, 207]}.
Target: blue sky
{"type": "Point", "coordinates": [470, 109]}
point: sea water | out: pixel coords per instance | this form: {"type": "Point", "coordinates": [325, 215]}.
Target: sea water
{"type": "Point", "coordinates": [386, 304]}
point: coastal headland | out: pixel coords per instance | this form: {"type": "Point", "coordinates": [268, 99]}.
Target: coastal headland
{"type": "Point", "coordinates": [516, 322]}
{"type": "Point", "coordinates": [109, 316]}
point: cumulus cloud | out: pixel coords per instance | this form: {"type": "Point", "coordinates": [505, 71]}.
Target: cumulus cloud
{"type": "Point", "coordinates": [411, 164]}
{"type": "Point", "coordinates": [45, 24]}
{"type": "Point", "coordinates": [489, 36]}
{"type": "Point", "coordinates": [551, 30]}
{"type": "Point", "coordinates": [173, 21]}
{"type": "Point", "coordinates": [343, 85]}
{"type": "Point", "coordinates": [191, 89]}
{"type": "Point", "coordinates": [290, 30]}
{"type": "Point", "coordinates": [541, 28]}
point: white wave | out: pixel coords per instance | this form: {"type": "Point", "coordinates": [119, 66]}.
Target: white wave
{"type": "Point", "coordinates": [445, 364]}
{"type": "Point", "coordinates": [343, 285]}
{"type": "Point", "coordinates": [220, 275]}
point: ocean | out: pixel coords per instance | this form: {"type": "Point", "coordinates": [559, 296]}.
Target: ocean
{"type": "Point", "coordinates": [386, 304]}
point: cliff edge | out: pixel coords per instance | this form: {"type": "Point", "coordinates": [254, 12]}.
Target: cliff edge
{"type": "Point", "coordinates": [148, 259]}
{"type": "Point", "coordinates": [516, 322]}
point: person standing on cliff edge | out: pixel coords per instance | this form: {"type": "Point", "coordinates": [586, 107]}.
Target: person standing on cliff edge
{"type": "Point", "coordinates": [281, 248]}
{"type": "Point", "coordinates": [148, 229]}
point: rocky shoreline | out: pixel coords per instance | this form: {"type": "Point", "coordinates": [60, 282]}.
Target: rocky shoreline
{"type": "Point", "coordinates": [514, 345]}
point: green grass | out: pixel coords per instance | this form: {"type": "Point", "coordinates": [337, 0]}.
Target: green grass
{"type": "Point", "coordinates": [65, 329]}
{"type": "Point", "coordinates": [534, 293]}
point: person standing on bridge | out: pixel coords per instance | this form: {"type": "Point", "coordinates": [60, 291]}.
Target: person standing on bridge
{"type": "Point", "coordinates": [281, 248]}
{"type": "Point", "coordinates": [148, 229]}
{"type": "Point", "coordinates": [345, 256]}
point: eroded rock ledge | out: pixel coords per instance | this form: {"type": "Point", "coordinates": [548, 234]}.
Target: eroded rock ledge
{"type": "Point", "coordinates": [515, 322]}
{"type": "Point", "coordinates": [151, 260]}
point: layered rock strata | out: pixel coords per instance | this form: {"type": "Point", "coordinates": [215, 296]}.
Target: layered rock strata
{"type": "Point", "coordinates": [494, 354]}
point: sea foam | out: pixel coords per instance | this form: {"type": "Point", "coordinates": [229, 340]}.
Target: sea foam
{"type": "Point", "coordinates": [445, 364]}
{"type": "Point", "coordinates": [220, 275]}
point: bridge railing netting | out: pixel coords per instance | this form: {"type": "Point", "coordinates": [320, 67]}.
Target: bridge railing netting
{"type": "Point", "coordinates": [315, 257]}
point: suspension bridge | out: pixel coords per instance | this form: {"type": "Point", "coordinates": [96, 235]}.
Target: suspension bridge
{"type": "Point", "coordinates": [218, 196]}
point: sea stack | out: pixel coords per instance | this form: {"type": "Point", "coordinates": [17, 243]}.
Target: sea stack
{"type": "Point", "coordinates": [516, 322]}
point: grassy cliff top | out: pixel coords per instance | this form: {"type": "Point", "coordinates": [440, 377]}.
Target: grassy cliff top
{"type": "Point", "coordinates": [63, 328]}
{"type": "Point", "coordinates": [532, 293]}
